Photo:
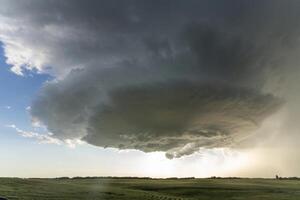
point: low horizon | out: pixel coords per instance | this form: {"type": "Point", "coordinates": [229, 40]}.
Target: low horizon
{"type": "Point", "coordinates": [147, 177]}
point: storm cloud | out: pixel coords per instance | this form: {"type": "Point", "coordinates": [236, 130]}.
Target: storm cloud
{"type": "Point", "coordinates": [172, 76]}
{"type": "Point", "coordinates": [149, 112]}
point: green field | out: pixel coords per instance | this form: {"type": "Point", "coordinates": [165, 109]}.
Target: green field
{"type": "Point", "coordinates": [146, 189]}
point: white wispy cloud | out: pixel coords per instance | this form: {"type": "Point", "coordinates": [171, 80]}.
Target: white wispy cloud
{"type": "Point", "coordinates": [41, 138]}
{"type": "Point", "coordinates": [46, 138]}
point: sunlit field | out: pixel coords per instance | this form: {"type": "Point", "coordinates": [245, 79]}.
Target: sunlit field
{"type": "Point", "coordinates": [133, 189]}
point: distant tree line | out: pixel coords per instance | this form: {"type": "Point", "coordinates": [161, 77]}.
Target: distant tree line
{"type": "Point", "coordinates": [170, 178]}
{"type": "Point", "coordinates": [124, 177]}
{"type": "Point", "coordinates": [230, 177]}
{"type": "Point", "coordinates": [286, 178]}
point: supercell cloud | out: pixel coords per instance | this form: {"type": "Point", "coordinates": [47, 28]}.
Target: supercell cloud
{"type": "Point", "coordinates": [150, 115]}
{"type": "Point", "coordinates": [172, 76]}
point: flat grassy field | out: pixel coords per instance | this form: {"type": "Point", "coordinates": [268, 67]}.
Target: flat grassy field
{"type": "Point", "coordinates": [147, 189]}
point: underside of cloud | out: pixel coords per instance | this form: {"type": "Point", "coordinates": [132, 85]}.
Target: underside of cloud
{"type": "Point", "coordinates": [178, 118]}
{"type": "Point", "coordinates": [175, 116]}
{"type": "Point", "coordinates": [170, 76]}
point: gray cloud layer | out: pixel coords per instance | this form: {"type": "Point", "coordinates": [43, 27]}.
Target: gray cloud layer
{"type": "Point", "coordinates": [171, 76]}
{"type": "Point", "coordinates": [106, 110]}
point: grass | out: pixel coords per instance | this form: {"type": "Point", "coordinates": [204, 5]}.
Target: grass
{"type": "Point", "coordinates": [149, 189]}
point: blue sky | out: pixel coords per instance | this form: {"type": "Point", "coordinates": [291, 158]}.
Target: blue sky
{"type": "Point", "coordinates": [17, 93]}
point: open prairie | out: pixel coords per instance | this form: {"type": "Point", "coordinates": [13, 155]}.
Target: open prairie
{"type": "Point", "coordinates": [147, 189]}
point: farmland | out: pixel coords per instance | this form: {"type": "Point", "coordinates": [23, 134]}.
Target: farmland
{"type": "Point", "coordinates": [147, 189]}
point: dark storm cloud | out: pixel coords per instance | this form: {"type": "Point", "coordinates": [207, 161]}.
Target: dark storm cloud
{"type": "Point", "coordinates": [57, 36]}
{"type": "Point", "coordinates": [171, 76]}
{"type": "Point", "coordinates": [133, 108]}
{"type": "Point", "coordinates": [168, 116]}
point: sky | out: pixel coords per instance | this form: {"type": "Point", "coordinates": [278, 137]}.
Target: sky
{"type": "Point", "coordinates": [142, 88]}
